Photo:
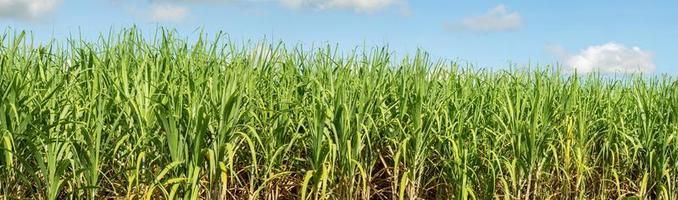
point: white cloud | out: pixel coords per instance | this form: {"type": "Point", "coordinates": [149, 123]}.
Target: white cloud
{"type": "Point", "coordinates": [362, 6]}
{"type": "Point", "coordinates": [498, 18]}
{"type": "Point", "coordinates": [26, 9]}
{"type": "Point", "coordinates": [610, 58]}
{"type": "Point", "coordinates": [168, 13]}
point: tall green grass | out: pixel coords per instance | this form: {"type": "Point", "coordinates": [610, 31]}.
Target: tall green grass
{"type": "Point", "coordinates": [158, 117]}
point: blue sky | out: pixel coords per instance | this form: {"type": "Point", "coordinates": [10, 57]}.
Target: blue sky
{"type": "Point", "coordinates": [633, 36]}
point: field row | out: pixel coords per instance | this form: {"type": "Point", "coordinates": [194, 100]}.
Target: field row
{"type": "Point", "coordinates": [135, 117]}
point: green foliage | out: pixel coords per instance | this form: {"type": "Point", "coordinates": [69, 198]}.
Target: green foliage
{"type": "Point", "coordinates": [136, 118]}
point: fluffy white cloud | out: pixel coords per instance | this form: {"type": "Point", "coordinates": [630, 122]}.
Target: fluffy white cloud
{"type": "Point", "coordinates": [168, 13]}
{"type": "Point", "coordinates": [498, 18]}
{"type": "Point", "coordinates": [26, 9]}
{"type": "Point", "coordinates": [356, 5]}
{"type": "Point", "coordinates": [361, 6]}
{"type": "Point", "coordinates": [607, 58]}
